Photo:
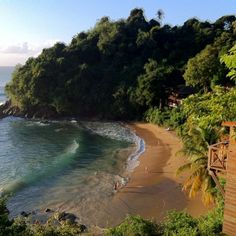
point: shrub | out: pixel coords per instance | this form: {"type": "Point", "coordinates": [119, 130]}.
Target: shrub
{"type": "Point", "coordinates": [135, 226]}
{"type": "Point", "coordinates": [179, 223]}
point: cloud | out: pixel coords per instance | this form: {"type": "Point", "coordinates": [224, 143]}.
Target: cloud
{"type": "Point", "coordinates": [16, 49]}
{"type": "Point", "coordinates": [12, 54]}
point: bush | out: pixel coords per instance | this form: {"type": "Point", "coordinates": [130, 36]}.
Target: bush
{"type": "Point", "coordinates": [135, 226]}
{"type": "Point", "coordinates": [157, 116]}
{"type": "Point", "coordinates": [180, 223]}
{"type": "Point", "coordinates": [211, 224]}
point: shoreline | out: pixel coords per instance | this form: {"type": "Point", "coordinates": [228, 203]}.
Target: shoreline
{"type": "Point", "coordinates": [153, 188]}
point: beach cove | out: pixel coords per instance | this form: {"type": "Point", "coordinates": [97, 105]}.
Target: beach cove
{"type": "Point", "coordinates": [154, 189]}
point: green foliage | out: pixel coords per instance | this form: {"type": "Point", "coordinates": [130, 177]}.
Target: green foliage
{"type": "Point", "coordinates": [22, 227]}
{"type": "Point", "coordinates": [198, 122]}
{"type": "Point", "coordinates": [150, 90]}
{"type": "Point", "coordinates": [135, 226]}
{"type": "Point", "coordinates": [158, 116]}
{"type": "Point", "coordinates": [202, 68]}
{"type": "Point", "coordinates": [174, 224]}
{"type": "Point", "coordinates": [173, 118]}
{"type": "Point", "coordinates": [230, 61]}
{"type": "Point", "coordinates": [119, 69]}
{"type": "Point", "coordinates": [210, 109]}
{"type": "Point", "coordinates": [48, 229]}
{"type": "Point", "coordinates": [5, 223]}
{"type": "Point", "coordinates": [211, 223]}
{"type": "Point", "coordinates": [204, 115]}
{"type": "Point", "coordinates": [179, 223]}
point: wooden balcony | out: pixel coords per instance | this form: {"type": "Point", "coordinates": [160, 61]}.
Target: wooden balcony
{"type": "Point", "coordinates": [217, 162]}
{"type": "Point", "coordinates": [218, 156]}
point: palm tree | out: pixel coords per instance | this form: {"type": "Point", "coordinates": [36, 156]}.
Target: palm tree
{"type": "Point", "coordinates": [195, 147]}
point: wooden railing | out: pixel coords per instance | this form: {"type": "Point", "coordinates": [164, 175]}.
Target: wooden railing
{"type": "Point", "coordinates": [217, 161]}
{"type": "Point", "coordinates": [218, 156]}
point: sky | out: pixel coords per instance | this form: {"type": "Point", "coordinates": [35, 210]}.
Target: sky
{"type": "Point", "coordinates": [28, 26]}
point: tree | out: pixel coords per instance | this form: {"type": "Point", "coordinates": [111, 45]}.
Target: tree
{"type": "Point", "coordinates": [150, 90]}
{"type": "Point", "coordinates": [230, 61]}
{"type": "Point", "coordinates": [105, 72]}
{"type": "Point", "coordinates": [196, 144]}
{"type": "Point", "coordinates": [202, 69]}
{"type": "Point", "coordinates": [202, 127]}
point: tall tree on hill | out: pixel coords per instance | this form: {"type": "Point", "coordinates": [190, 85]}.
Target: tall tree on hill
{"type": "Point", "coordinates": [202, 68]}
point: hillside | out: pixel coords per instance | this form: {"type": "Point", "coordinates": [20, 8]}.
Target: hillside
{"type": "Point", "coordinates": [120, 69]}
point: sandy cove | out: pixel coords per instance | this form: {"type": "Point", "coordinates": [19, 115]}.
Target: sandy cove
{"type": "Point", "coordinates": [153, 188]}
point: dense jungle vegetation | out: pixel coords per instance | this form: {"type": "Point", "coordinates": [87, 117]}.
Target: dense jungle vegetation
{"type": "Point", "coordinates": [120, 69]}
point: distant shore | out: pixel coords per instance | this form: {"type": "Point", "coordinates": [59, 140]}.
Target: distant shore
{"type": "Point", "coordinates": [154, 189]}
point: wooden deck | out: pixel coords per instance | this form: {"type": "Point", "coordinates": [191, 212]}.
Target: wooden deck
{"type": "Point", "coordinates": [230, 194]}
{"type": "Point", "coordinates": [218, 156]}
{"type": "Point", "coordinates": [222, 160]}
{"type": "Point", "coordinates": [229, 225]}
{"type": "Point", "coordinates": [217, 161]}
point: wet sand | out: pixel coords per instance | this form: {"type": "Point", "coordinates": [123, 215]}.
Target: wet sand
{"type": "Point", "coordinates": [153, 188]}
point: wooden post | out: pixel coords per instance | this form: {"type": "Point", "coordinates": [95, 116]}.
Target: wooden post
{"type": "Point", "coordinates": [229, 224]}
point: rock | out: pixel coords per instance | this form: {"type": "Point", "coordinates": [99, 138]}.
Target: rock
{"type": "Point", "coordinates": [82, 227]}
{"type": "Point", "coordinates": [70, 217]}
{"type": "Point", "coordinates": [23, 213]}
{"type": "Point", "coordinates": [47, 210]}
{"type": "Point", "coordinates": [63, 216]}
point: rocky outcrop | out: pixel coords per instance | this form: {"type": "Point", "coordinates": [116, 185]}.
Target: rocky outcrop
{"type": "Point", "coordinates": [7, 109]}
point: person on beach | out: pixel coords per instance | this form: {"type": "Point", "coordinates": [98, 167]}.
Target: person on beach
{"type": "Point", "coordinates": [116, 186]}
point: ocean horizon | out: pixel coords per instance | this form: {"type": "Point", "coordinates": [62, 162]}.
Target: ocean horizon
{"type": "Point", "coordinates": [5, 77]}
{"type": "Point", "coordinates": [5, 74]}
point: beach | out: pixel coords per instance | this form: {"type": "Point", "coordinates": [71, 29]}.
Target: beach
{"type": "Point", "coordinates": [153, 188]}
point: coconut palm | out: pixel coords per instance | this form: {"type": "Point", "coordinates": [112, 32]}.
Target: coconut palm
{"type": "Point", "coordinates": [195, 147]}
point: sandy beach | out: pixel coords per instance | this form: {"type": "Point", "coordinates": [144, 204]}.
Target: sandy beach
{"type": "Point", "coordinates": [153, 188]}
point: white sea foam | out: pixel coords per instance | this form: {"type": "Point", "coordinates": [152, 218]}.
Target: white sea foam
{"type": "Point", "coordinates": [59, 130]}
{"type": "Point", "coordinates": [115, 130]}
{"type": "Point", "coordinates": [40, 123]}
{"type": "Point", "coordinates": [73, 121]}
{"type": "Point", "coordinates": [37, 123]}
{"type": "Point", "coordinates": [73, 147]}
{"type": "Point", "coordinates": [133, 160]}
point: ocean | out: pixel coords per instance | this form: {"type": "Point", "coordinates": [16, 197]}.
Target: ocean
{"type": "Point", "coordinates": [65, 165]}
{"type": "Point", "coordinates": [5, 76]}
{"type": "Point", "coordinates": [62, 165]}
{"type": "Point", "coordinates": [3, 97]}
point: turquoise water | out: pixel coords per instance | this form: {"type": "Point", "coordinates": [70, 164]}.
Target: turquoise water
{"type": "Point", "coordinates": [68, 166]}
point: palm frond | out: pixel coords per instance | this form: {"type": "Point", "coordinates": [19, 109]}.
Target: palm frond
{"type": "Point", "coordinates": [195, 187]}
{"type": "Point", "coordinates": [183, 168]}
